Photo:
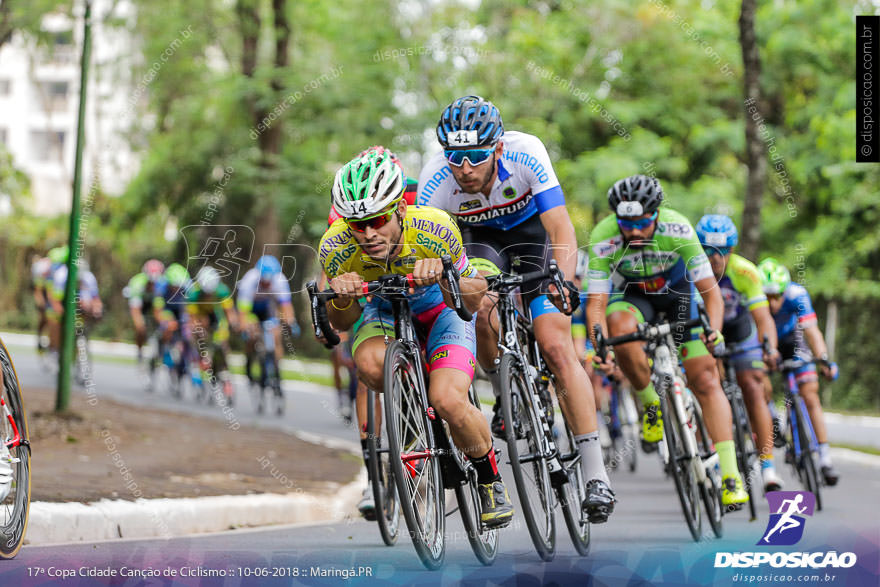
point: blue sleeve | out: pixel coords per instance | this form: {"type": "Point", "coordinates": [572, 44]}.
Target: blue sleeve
{"type": "Point", "coordinates": [549, 199]}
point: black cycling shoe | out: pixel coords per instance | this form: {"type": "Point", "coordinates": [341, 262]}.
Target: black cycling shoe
{"type": "Point", "coordinates": [778, 436]}
{"type": "Point", "coordinates": [495, 505]}
{"type": "Point", "coordinates": [498, 422]}
{"type": "Point", "coordinates": [831, 476]}
{"type": "Point", "coordinates": [599, 503]}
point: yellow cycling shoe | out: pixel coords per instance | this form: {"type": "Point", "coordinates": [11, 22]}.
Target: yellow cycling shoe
{"type": "Point", "coordinates": [732, 492]}
{"type": "Point", "coordinates": [652, 425]}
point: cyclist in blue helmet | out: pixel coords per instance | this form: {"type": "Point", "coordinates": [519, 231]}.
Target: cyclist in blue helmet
{"type": "Point", "coordinates": [747, 321]}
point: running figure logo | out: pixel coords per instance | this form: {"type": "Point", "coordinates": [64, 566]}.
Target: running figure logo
{"type": "Point", "coordinates": [786, 525]}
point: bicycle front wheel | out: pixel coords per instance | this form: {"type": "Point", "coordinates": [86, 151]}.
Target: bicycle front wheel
{"type": "Point", "coordinates": [746, 456]}
{"type": "Point", "coordinates": [14, 508]}
{"type": "Point", "coordinates": [681, 470]}
{"type": "Point", "coordinates": [710, 488]}
{"type": "Point", "coordinates": [384, 491]}
{"type": "Point", "coordinates": [412, 453]}
{"type": "Point", "coordinates": [525, 436]}
{"type": "Point", "coordinates": [807, 471]}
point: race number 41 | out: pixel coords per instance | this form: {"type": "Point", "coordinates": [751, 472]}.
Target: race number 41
{"type": "Point", "coordinates": [463, 138]}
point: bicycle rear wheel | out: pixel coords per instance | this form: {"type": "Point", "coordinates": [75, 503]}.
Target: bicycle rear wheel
{"type": "Point", "coordinates": [745, 448]}
{"type": "Point", "coordinates": [807, 471]}
{"type": "Point", "coordinates": [572, 494]}
{"type": "Point", "coordinates": [484, 541]}
{"type": "Point", "coordinates": [412, 454]}
{"type": "Point", "coordinates": [384, 491]}
{"type": "Point", "coordinates": [525, 450]}
{"type": "Point", "coordinates": [629, 417]}
{"type": "Point", "coordinates": [681, 471]}
{"type": "Point", "coordinates": [710, 489]}
{"type": "Point", "coordinates": [15, 507]}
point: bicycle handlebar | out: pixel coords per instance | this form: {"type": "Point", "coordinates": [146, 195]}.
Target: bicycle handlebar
{"type": "Point", "coordinates": [390, 284]}
{"type": "Point", "coordinates": [508, 282]}
{"type": "Point", "coordinates": [648, 332]}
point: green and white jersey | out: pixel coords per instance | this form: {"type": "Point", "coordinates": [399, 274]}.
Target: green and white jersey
{"type": "Point", "coordinates": [673, 255]}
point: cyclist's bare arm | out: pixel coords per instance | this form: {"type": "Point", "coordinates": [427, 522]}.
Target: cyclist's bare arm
{"type": "Point", "coordinates": [711, 294]}
{"type": "Point", "coordinates": [349, 287]}
{"type": "Point", "coordinates": [563, 241]}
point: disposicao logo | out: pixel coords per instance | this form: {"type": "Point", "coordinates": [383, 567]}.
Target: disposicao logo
{"type": "Point", "coordinates": [785, 528]}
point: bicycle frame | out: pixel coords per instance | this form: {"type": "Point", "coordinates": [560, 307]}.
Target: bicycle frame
{"type": "Point", "coordinates": [516, 328]}
{"type": "Point", "coordinates": [794, 401]}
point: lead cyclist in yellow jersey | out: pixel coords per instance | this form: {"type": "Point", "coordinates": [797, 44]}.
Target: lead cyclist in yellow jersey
{"type": "Point", "coordinates": [377, 235]}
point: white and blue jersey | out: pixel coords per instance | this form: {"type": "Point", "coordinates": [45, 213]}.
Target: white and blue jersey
{"type": "Point", "coordinates": [88, 285]}
{"type": "Point", "coordinates": [526, 185]}
{"type": "Point", "coordinates": [796, 311]}
{"type": "Point", "coordinates": [255, 296]}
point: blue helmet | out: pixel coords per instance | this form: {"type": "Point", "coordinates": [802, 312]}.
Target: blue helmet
{"type": "Point", "coordinates": [469, 113]}
{"type": "Point", "coordinates": [717, 230]}
{"type": "Point", "coordinates": [268, 266]}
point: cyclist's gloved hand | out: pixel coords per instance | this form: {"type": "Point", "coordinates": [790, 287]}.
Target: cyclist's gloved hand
{"type": "Point", "coordinates": [574, 298]}
{"type": "Point", "coordinates": [771, 358]}
{"type": "Point", "coordinates": [715, 342]}
{"type": "Point", "coordinates": [829, 369]}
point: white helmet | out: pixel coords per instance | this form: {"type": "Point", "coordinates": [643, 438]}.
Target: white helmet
{"type": "Point", "coordinates": [367, 185]}
{"type": "Point", "coordinates": [208, 279]}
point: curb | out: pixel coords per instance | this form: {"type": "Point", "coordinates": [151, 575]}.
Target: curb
{"type": "Point", "coordinates": [54, 523]}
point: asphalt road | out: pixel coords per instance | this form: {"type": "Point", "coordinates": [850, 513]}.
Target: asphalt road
{"type": "Point", "coordinates": [645, 540]}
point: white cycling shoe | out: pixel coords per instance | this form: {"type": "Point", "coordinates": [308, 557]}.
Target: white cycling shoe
{"type": "Point", "coordinates": [772, 480]}
{"type": "Point", "coordinates": [367, 506]}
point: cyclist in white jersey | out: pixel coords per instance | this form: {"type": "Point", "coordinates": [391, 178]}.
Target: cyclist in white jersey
{"type": "Point", "coordinates": [502, 189]}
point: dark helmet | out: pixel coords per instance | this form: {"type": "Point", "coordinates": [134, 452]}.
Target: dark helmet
{"type": "Point", "coordinates": [635, 195]}
{"type": "Point", "coordinates": [470, 113]}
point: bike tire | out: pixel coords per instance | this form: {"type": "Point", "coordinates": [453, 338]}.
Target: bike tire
{"type": "Point", "coordinates": [409, 430]}
{"type": "Point", "coordinates": [807, 471]}
{"type": "Point", "coordinates": [537, 505]}
{"type": "Point", "coordinates": [682, 473]}
{"type": "Point", "coordinates": [745, 449]}
{"type": "Point", "coordinates": [630, 429]}
{"type": "Point", "coordinates": [384, 491]}
{"type": "Point", "coordinates": [15, 508]}
{"type": "Point", "coordinates": [483, 541]}
{"type": "Point", "coordinates": [710, 490]}
{"type": "Point", "coordinates": [571, 498]}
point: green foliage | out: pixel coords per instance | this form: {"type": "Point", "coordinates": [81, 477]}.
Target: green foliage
{"type": "Point", "coordinates": [612, 87]}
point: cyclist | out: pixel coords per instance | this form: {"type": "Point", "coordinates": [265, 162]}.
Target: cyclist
{"type": "Point", "coordinates": [653, 259]}
{"type": "Point", "coordinates": [212, 312]}
{"type": "Point", "coordinates": [41, 271]}
{"type": "Point", "coordinates": [511, 210]}
{"type": "Point", "coordinates": [140, 291]}
{"type": "Point", "coordinates": [380, 234]}
{"type": "Point", "coordinates": [341, 358]}
{"type": "Point", "coordinates": [747, 321]}
{"type": "Point", "coordinates": [799, 334]}
{"type": "Point", "coordinates": [264, 292]}
{"type": "Point", "coordinates": [169, 308]}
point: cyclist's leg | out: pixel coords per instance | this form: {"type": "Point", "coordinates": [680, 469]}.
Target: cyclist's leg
{"type": "Point", "coordinates": [484, 251]}
{"type": "Point", "coordinates": [703, 379]}
{"type": "Point", "coordinates": [450, 347]}
{"type": "Point", "coordinates": [749, 367]}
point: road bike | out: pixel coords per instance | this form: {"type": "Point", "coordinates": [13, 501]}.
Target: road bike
{"type": "Point", "coordinates": [801, 445]}
{"type": "Point", "coordinates": [747, 459]}
{"type": "Point", "coordinates": [545, 473]}
{"type": "Point", "coordinates": [269, 381]}
{"type": "Point", "coordinates": [15, 506]}
{"type": "Point", "coordinates": [424, 460]}
{"type": "Point", "coordinates": [689, 455]}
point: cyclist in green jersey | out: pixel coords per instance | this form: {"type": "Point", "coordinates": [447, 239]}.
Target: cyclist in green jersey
{"type": "Point", "coordinates": [645, 260]}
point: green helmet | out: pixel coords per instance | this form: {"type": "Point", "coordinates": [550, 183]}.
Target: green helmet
{"type": "Point", "coordinates": [774, 276]}
{"type": "Point", "coordinates": [367, 185]}
{"type": "Point", "coordinates": [59, 255]}
{"type": "Point", "coordinates": [176, 275]}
